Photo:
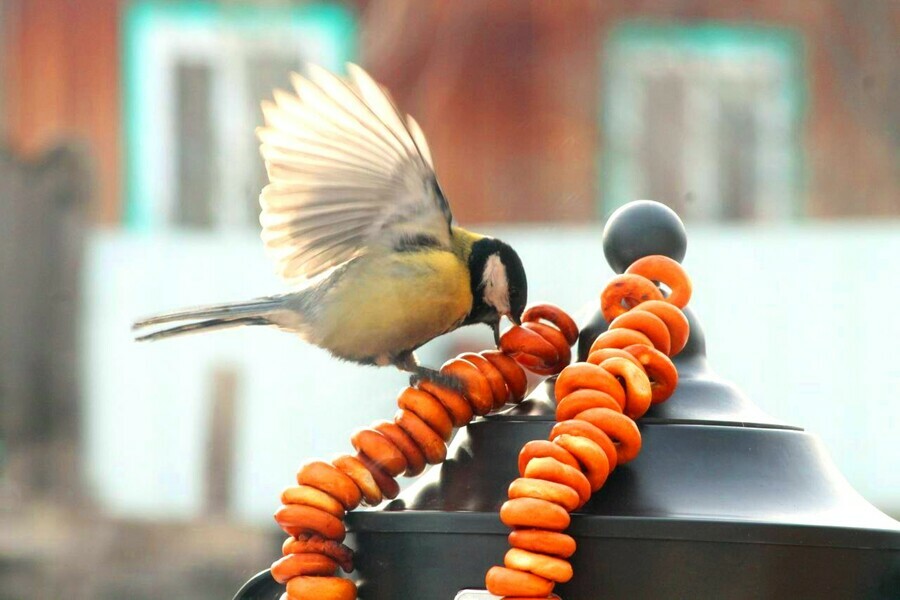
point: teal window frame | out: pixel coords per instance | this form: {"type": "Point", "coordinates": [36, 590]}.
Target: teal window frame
{"type": "Point", "coordinates": [331, 26]}
{"type": "Point", "coordinates": [716, 41]}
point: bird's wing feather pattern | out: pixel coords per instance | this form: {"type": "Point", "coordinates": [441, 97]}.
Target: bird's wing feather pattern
{"type": "Point", "coordinates": [347, 173]}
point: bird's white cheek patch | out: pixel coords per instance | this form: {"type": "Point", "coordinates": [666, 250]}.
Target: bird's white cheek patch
{"type": "Point", "coordinates": [496, 285]}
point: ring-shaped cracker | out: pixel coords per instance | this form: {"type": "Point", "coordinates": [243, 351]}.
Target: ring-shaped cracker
{"type": "Point", "coordinates": [622, 430]}
{"type": "Point", "coordinates": [624, 292]}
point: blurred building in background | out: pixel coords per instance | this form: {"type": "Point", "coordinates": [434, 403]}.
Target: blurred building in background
{"type": "Point", "coordinates": [771, 127]}
{"type": "Point", "coordinates": [538, 111]}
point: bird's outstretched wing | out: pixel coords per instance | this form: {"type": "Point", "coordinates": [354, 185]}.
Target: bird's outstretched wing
{"type": "Point", "coordinates": [347, 173]}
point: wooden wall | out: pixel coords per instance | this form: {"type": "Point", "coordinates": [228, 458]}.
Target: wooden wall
{"type": "Point", "coordinates": [60, 65]}
{"type": "Point", "coordinates": [509, 93]}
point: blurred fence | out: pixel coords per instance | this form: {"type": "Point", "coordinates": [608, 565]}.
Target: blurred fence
{"type": "Point", "coordinates": [43, 214]}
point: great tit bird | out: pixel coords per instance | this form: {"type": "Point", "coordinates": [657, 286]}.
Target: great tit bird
{"type": "Point", "coordinates": [354, 215]}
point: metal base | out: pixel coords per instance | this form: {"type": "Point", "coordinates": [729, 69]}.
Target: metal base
{"type": "Point", "coordinates": [260, 587]}
{"type": "Point", "coordinates": [705, 511]}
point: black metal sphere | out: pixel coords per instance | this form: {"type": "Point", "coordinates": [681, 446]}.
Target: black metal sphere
{"type": "Point", "coordinates": [642, 228]}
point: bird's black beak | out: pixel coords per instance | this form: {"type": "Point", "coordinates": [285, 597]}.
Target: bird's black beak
{"type": "Point", "coordinates": [496, 326]}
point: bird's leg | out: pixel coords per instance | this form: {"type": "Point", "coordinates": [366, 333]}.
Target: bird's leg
{"type": "Point", "coordinates": [408, 362]}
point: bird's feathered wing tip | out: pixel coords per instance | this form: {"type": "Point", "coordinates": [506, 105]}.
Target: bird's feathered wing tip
{"type": "Point", "coordinates": [347, 171]}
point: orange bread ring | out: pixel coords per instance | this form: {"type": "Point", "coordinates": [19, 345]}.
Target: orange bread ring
{"type": "Point", "coordinates": [581, 400]}
{"type": "Point", "coordinates": [555, 315]}
{"type": "Point", "coordinates": [598, 356]}
{"type": "Point", "coordinates": [501, 581]}
{"type": "Point", "coordinates": [542, 489]}
{"type": "Point", "coordinates": [296, 519]}
{"type": "Point", "coordinates": [578, 376]}
{"type": "Point", "coordinates": [619, 338]}
{"type": "Point", "coordinates": [592, 432]}
{"type": "Point", "coordinates": [544, 355]}
{"type": "Point", "coordinates": [493, 377]}
{"type": "Point", "coordinates": [294, 565]}
{"type": "Point", "coordinates": [427, 408]}
{"type": "Point", "coordinates": [353, 468]}
{"type": "Point", "coordinates": [387, 484]}
{"type": "Point", "coordinates": [543, 448]}
{"type": "Point", "coordinates": [527, 347]}
{"type": "Point", "coordinates": [533, 512]}
{"type": "Point", "coordinates": [594, 463]}
{"type": "Point", "coordinates": [644, 321]}
{"type": "Point", "coordinates": [634, 380]}
{"type": "Point", "coordinates": [659, 368]}
{"type": "Point", "coordinates": [415, 460]}
{"type": "Point", "coordinates": [330, 480]}
{"type": "Point", "coordinates": [545, 542]}
{"type": "Point", "coordinates": [321, 588]}
{"type": "Point", "coordinates": [429, 442]}
{"type": "Point", "coordinates": [454, 403]}
{"type": "Point", "coordinates": [318, 545]}
{"type": "Point", "coordinates": [557, 339]}
{"type": "Point", "coordinates": [665, 270]}
{"type": "Point", "coordinates": [550, 469]}
{"type": "Point", "coordinates": [548, 567]}
{"type": "Point", "coordinates": [380, 449]}
{"type": "Point", "coordinates": [621, 429]}
{"type": "Point", "coordinates": [310, 496]}
{"type": "Point", "coordinates": [513, 375]}
{"type": "Point", "coordinates": [675, 320]}
{"type": "Point", "coordinates": [477, 389]}
{"type": "Point", "coordinates": [629, 288]}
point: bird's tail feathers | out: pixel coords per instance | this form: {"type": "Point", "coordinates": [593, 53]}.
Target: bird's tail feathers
{"type": "Point", "coordinates": [208, 318]}
{"type": "Point", "coordinates": [208, 325]}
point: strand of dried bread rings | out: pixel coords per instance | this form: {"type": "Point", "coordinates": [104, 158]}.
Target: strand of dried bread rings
{"type": "Point", "coordinates": [628, 369]}
{"type": "Point", "coordinates": [313, 511]}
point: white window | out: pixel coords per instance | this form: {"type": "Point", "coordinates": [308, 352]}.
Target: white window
{"type": "Point", "coordinates": [706, 119]}
{"type": "Point", "coordinates": [195, 75]}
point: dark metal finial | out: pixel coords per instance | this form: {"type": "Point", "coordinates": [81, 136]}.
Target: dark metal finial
{"type": "Point", "coordinates": [642, 228]}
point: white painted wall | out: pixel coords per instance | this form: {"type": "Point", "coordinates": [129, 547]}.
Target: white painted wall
{"type": "Point", "coordinates": [802, 318]}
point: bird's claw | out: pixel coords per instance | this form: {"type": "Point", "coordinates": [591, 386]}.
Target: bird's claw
{"type": "Point", "coordinates": [436, 377]}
